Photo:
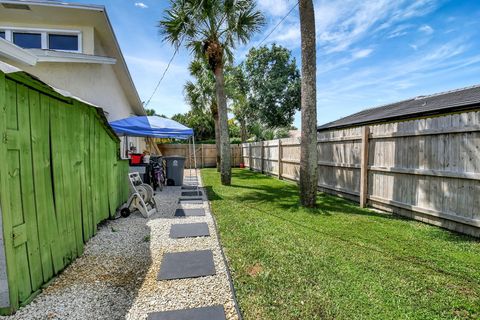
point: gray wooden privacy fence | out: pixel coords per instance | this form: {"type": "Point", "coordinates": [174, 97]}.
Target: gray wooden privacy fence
{"type": "Point", "coordinates": [206, 154]}
{"type": "Point", "coordinates": [427, 169]}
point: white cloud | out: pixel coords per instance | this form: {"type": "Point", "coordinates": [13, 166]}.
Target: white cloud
{"type": "Point", "coordinates": [288, 35]}
{"type": "Point", "coordinates": [426, 29]}
{"type": "Point", "coordinates": [391, 82]}
{"type": "Point", "coordinates": [401, 73]}
{"type": "Point", "coordinates": [412, 10]}
{"type": "Point", "coordinates": [343, 62]}
{"type": "Point", "coordinates": [399, 31]}
{"type": "Point", "coordinates": [446, 51]}
{"type": "Point", "coordinates": [343, 23]}
{"type": "Point", "coordinates": [154, 63]}
{"type": "Point", "coordinates": [274, 7]}
{"type": "Point", "coordinates": [141, 5]}
{"type": "Point", "coordinates": [360, 54]}
{"type": "Point", "coordinates": [340, 24]}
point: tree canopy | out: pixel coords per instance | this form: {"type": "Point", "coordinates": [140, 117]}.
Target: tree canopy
{"type": "Point", "coordinates": [254, 122]}
{"type": "Point", "coordinates": [273, 85]}
{"type": "Point", "coordinates": [201, 121]}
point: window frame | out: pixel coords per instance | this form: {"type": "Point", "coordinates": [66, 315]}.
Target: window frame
{"type": "Point", "coordinates": [29, 33]}
{"type": "Point", "coordinates": [63, 34]}
{"type": "Point", "coordinates": [9, 31]}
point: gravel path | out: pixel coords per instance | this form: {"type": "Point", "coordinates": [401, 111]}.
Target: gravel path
{"type": "Point", "coordinates": [116, 277]}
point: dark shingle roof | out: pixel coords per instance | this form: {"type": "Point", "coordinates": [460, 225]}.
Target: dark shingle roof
{"type": "Point", "coordinates": [420, 106]}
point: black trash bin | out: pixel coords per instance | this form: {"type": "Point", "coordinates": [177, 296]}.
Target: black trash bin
{"type": "Point", "coordinates": [175, 165]}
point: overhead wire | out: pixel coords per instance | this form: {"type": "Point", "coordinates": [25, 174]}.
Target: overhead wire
{"type": "Point", "coordinates": [163, 76]}
{"type": "Point", "coordinates": [278, 24]}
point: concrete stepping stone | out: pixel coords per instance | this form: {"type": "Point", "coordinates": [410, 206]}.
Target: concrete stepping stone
{"type": "Point", "coordinates": [190, 201]}
{"type": "Point", "coordinates": [216, 312]}
{"type": "Point", "coordinates": [189, 230]}
{"type": "Point", "coordinates": [189, 187]}
{"type": "Point", "coordinates": [190, 264]}
{"type": "Point", "coordinates": [197, 212]}
{"type": "Point", "coordinates": [191, 184]}
{"type": "Point", "coordinates": [192, 194]}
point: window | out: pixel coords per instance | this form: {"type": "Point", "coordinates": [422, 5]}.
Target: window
{"type": "Point", "coordinates": [27, 40]}
{"type": "Point", "coordinates": [47, 39]}
{"type": "Point", "coordinates": [63, 42]}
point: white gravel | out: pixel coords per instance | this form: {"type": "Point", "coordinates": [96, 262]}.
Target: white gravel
{"type": "Point", "coordinates": [116, 277]}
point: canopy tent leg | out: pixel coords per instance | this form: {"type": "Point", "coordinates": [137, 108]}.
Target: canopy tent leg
{"type": "Point", "coordinates": [195, 155]}
{"type": "Point", "coordinates": [195, 161]}
{"type": "Point", "coordinates": [189, 160]}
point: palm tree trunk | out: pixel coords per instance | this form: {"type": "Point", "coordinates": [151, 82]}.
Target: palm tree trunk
{"type": "Point", "coordinates": [308, 143]}
{"type": "Point", "coordinates": [217, 138]}
{"type": "Point", "coordinates": [225, 152]}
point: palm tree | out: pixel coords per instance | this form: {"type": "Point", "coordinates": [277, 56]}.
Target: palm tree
{"type": "Point", "coordinates": [211, 29]}
{"type": "Point", "coordinates": [308, 143]}
{"type": "Point", "coordinates": [201, 95]}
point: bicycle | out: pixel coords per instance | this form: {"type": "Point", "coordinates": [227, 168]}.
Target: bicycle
{"type": "Point", "coordinates": [158, 174]}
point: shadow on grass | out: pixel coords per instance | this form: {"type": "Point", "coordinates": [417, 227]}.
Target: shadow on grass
{"type": "Point", "coordinates": [362, 243]}
{"type": "Point", "coordinates": [286, 197]}
{"type": "Point", "coordinates": [282, 196]}
{"type": "Point", "coordinates": [212, 195]}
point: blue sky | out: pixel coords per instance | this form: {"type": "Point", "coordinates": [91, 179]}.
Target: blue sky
{"type": "Point", "coordinates": [369, 53]}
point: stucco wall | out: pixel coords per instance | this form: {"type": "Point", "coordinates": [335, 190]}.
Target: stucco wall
{"type": "Point", "coordinates": [94, 83]}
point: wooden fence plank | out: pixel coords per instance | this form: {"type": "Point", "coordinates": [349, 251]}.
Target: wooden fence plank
{"type": "Point", "coordinates": [40, 138]}
{"type": "Point", "coordinates": [20, 285]}
{"type": "Point", "coordinates": [364, 167]}
{"type": "Point", "coordinates": [7, 218]}
{"type": "Point", "coordinates": [60, 199]}
{"type": "Point", "coordinates": [92, 171]}
{"type": "Point", "coordinates": [262, 156]}
{"type": "Point", "coordinates": [28, 191]}
{"type": "Point", "coordinates": [279, 159]}
{"type": "Point", "coordinates": [84, 169]}
{"type": "Point", "coordinates": [76, 163]}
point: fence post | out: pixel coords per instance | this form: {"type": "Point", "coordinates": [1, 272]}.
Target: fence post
{"type": "Point", "coordinates": [203, 156]}
{"type": "Point", "coordinates": [242, 159]}
{"type": "Point", "coordinates": [250, 156]}
{"type": "Point", "coordinates": [280, 159]}
{"type": "Point", "coordinates": [364, 167]}
{"type": "Point", "coordinates": [262, 154]}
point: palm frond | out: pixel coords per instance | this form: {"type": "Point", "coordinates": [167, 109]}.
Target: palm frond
{"type": "Point", "coordinates": [226, 22]}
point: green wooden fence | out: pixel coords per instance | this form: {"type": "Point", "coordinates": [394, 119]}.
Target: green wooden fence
{"type": "Point", "coordinates": [59, 177]}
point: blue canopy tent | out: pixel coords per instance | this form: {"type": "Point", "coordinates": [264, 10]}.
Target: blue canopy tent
{"type": "Point", "coordinates": [151, 126]}
{"type": "Point", "coordinates": [154, 127]}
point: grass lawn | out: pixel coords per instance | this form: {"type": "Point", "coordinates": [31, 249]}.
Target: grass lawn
{"type": "Point", "coordinates": [338, 261]}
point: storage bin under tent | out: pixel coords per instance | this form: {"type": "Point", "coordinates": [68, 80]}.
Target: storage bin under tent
{"type": "Point", "coordinates": [142, 197]}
